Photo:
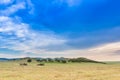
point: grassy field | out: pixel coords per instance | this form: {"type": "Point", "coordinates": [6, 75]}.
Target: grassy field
{"type": "Point", "coordinates": [59, 71]}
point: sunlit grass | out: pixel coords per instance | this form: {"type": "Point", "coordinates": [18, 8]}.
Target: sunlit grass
{"type": "Point", "coordinates": [59, 71]}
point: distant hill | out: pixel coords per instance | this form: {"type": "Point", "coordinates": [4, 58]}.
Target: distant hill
{"type": "Point", "coordinates": [82, 59]}
{"type": "Point", "coordinates": [4, 59]}
{"type": "Point", "coordinates": [60, 60]}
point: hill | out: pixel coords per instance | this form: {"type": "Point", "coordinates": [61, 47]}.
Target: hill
{"type": "Point", "coordinates": [4, 59]}
{"type": "Point", "coordinates": [60, 60]}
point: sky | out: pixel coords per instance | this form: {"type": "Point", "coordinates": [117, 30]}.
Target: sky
{"type": "Point", "coordinates": [60, 28]}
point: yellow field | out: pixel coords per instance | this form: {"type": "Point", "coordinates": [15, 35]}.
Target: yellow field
{"type": "Point", "coordinates": [57, 71]}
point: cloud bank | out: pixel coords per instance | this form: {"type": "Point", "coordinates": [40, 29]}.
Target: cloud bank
{"type": "Point", "coordinates": [17, 35]}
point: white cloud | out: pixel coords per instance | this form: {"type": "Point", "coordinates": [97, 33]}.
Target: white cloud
{"type": "Point", "coordinates": [21, 37]}
{"type": "Point", "coordinates": [18, 5]}
{"type": "Point", "coordinates": [5, 1]}
{"type": "Point", "coordinates": [107, 48]}
{"type": "Point", "coordinates": [69, 3]}
{"type": "Point", "coordinates": [13, 8]}
{"type": "Point", "coordinates": [2, 55]}
{"type": "Point", "coordinates": [30, 6]}
{"type": "Point", "coordinates": [101, 52]}
{"type": "Point", "coordinates": [16, 35]}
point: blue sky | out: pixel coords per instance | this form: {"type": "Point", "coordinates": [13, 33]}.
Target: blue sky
{"type": "Point", "coordinates": [60, 28]}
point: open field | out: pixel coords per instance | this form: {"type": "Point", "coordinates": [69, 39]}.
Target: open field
{"type": "Point", "coordinates": [60, 71]}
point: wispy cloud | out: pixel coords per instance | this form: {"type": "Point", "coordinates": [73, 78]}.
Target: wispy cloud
{"type": "Point", "coordinates": [101, 52]}
{"type": "Point", "coordinates": [2, 55]}
{"type": "Point", "coordinates": [68, 3]}
{"type": "Point", "coordinates": [12, 9]}
{"type": "Point", "coordinates": [30, 6]}
{"type": "Point", "coordinates": [18, 5]}
{"type": "Point", "coordinates": [5, 1]}
{"type": "Point", "coordinates": [19, 36]}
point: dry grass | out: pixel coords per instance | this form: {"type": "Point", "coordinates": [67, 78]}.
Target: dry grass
{"type": "Point", "coordinates": [55, 71]}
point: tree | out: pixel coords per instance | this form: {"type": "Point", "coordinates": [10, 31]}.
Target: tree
{"type": "Point", "coordinates": [64, 61]}
{"type": "Point", "coordinates": [29, 60]}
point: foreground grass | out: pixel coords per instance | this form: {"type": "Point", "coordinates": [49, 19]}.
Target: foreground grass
{"type": "Point", "coordinates": [57, 71]}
